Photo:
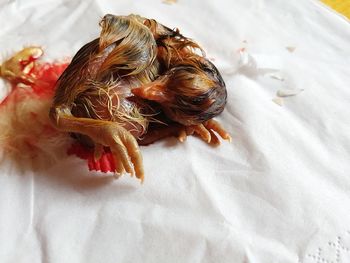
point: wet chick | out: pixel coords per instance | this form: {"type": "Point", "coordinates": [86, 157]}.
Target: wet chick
{"type": "Point", "coordinates": [92, 94]}
{"type": "Point", "coordinates": [190, 89]}
{"type": "Point", "coordinates": [110, 92]}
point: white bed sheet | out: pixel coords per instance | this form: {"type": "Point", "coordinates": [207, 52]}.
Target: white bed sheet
{"type": "Point", "coordinates": [280, 192]}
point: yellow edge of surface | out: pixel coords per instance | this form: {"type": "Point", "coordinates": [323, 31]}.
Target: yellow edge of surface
{"type": "Point", "coordinates": [341, 6]}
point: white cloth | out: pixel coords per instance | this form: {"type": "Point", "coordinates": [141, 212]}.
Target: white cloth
{"type": "Point", "coordinates": [280, 192]}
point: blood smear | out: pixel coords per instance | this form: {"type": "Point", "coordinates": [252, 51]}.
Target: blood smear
{"type": "Point", "coordinates": [46, 76]}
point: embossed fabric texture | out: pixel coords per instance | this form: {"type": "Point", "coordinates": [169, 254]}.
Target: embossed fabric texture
{"type": "Point", "coordinates": [280, 192]}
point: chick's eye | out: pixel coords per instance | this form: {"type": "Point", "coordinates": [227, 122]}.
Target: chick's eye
{"type": "Point", "coordinates": [199, 99]}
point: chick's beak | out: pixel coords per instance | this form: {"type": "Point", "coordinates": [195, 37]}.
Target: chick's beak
{"type": "Point", "coordinates": [154, 91]}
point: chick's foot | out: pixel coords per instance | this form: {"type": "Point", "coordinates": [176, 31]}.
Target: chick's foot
{"type": "Point", "coordinates": [19, 67]}
{"type": "Point", "coordinates": [121, 142]}
{"type": "Point", "coordinates": [123, 146]}
{"type": "Point", "coordinates": [208, 131]}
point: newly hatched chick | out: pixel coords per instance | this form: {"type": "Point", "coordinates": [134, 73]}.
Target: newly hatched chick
{"type": "Point", "coordinates": [92, 94]}
{"type": "Point", "coordinates": [106, 94]}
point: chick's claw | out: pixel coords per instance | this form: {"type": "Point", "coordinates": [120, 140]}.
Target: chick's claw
{"type": "Point", "coordinates": [207, 131]}
{"type": "Point", "coordinates": [123, 146]}
{"type": "Point", "coordinates": [213, 125]}
{"type": "Point", "coordinates": [214, 139]}
{"type": "Point", "coordinates": [98, 151]}
{"type": "Point", "coordinates": [18, 68]}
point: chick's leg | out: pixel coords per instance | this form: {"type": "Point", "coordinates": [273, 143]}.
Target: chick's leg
{"type": "Point", "coordinates": [157, 133]}
{"type": "Point", "coordinates": [121, 143]}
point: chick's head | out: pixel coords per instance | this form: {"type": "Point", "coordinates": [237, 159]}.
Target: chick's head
{"type": "Point", "coordinates": [190, 93]}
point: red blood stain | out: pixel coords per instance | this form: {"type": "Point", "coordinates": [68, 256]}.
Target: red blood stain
{"type": "Point", "coordinates": [46, 76]}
